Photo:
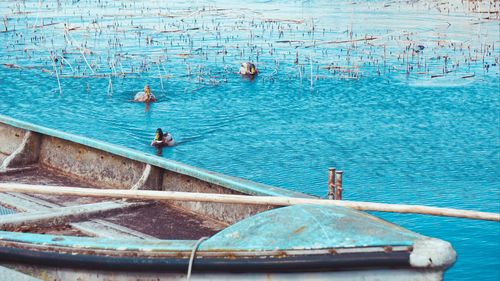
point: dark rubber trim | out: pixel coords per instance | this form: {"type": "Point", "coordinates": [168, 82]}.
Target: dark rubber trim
{"type": "Point", "coordinates": [302, 263]}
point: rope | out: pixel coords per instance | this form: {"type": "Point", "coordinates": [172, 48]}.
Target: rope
{"type": "Point", "coordinates": [193, 254]}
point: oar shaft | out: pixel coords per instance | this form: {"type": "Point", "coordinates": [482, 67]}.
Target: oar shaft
{"type": "Point", "coordinates": [244, 199]}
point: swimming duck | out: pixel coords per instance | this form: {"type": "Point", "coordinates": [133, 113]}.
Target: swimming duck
{"type": "Point", "coordinates": [248, 68]}
{"type": "Point", "coordinates": [162, 139]}
{"type": "Point", "coordinates": [145, 96]}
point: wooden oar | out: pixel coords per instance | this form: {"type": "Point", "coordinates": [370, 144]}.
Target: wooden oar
{"type": "Point", "coordinates": [244, 199]}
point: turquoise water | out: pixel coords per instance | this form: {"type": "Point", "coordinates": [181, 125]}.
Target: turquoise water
{"type": "Point", "coordinates": [404, 126]}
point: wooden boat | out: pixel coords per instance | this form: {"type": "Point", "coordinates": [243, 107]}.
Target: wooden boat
{"type": "Point", "coordinates": [54, 237]}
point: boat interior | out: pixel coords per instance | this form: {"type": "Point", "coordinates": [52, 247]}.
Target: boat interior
{"type": "Point", "coordinates": [38, 159]}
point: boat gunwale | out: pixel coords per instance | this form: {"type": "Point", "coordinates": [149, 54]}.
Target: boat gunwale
{"type": "Point", "coordinates": [176, 252]}
{"type": "Point", "coordinates": [233, 183]}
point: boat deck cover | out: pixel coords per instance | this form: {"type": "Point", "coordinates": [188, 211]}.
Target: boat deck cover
{"type": "Point", "coordinates": [309, 227]}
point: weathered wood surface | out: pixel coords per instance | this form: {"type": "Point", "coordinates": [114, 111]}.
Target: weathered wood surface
{"type": "Point", "coordinates": [57, 216]}
{"type": "Point", "coordinates": [8, 274]}
{"type": "Point", "coordinates": [94, 227]}
{"type": "Point", "coordinates": [245, 199]}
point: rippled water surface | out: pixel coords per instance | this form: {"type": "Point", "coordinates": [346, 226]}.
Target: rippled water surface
{"type": "Point", "coordinates": [410, 112]}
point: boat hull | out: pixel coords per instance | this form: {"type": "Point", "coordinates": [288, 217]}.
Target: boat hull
{"type": "Point", "coordinates": [246, 242]}
{"type": "Point", "coordinates": [59, 274]}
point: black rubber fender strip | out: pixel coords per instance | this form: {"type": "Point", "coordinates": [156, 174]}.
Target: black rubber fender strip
{"type": "Point", "coordinates": [298, 263]}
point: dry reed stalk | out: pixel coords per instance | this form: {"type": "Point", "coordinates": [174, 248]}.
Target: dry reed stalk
{"type": "Point", "coordinates": [52, 59]}
{"type": "Point", "coordinates": [6, 23]}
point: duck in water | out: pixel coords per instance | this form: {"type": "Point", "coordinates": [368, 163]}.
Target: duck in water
{"type": "Point", "coordinates": [162, 139]}
{"type": "Point", "coordinates": [145, 96]}
{"type": "Point", "coordinates": [248, 69]}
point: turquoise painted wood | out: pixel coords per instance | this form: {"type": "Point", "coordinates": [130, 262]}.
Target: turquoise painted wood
{"type": "Point", "coordinates": [98, 243]}
{"type": "Point", "coordinates": [234, 183]}
{"type": "Point", "coordinates": [309, 227]}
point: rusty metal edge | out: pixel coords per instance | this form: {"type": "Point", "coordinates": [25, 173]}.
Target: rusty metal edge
{"type": "Point", "coordinates": [169, 253]}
